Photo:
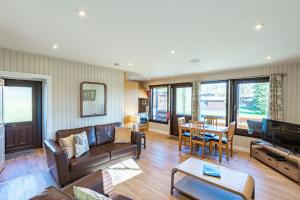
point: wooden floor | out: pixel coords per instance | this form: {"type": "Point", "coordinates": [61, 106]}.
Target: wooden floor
{"type": "Point", "coordinates": [27, 176]}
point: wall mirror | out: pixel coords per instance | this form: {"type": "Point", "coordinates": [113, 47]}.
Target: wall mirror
{"type": "Point", "coordinates": [92, 99]}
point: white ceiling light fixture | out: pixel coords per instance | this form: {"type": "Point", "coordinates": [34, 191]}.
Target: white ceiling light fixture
{"type": "Point", "coordinates": [148, 78]}
{"type": "Point", "coordinates": [81, 13]}
{"type": "Point", "coordinates": [194, 60]}
{"type": "Point", "coordinates": [269, 57]}
{"type": "Point", "coordinates": [259, 26]}
{"type": "Point", "coordinates": [172, 52]}
{"type": "Point", "coordinates": [55, 46]}
{"type": "Point", "coordinates": [130, 64]}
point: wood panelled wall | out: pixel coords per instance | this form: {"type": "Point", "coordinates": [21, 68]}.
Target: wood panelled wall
{"type": "Point", "coordinates": [66, 78]}
{"type": "Point", "coordinates": [291, 88]}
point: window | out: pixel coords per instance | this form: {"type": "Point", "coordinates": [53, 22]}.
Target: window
{"type": "Point", "coordinates": [18, 104]}
{"type": "Point", "coordinates": [213, 101]}
{"type": "Point", "coordinates": [159, 104]}
{"type": "Point", "coordinates": [184, 101]}
{"type": "Point", "coordinates": [251, 100]}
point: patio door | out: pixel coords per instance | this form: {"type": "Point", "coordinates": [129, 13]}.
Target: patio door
{"type": "Point", "coordinates": [181, 104]}
{"type": "Point", "coordinates": [250, 104]}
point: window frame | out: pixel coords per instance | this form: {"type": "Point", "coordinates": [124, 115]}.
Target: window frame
{"type": "Point", "coordinates": [151, 103]}
{"type": "Point", "coordinates": [233, 100]}
{"type": "Point", "coordinates": [227, 95]}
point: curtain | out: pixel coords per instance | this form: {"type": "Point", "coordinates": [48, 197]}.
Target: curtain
{"type": "Point", "coordinates": [276, 97]}
{"type": "Point", "coordinates": [196, 100]}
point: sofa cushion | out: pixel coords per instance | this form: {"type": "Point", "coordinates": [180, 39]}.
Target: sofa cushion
{"type": "Point", "coordinates": [105, 133]}
{"type": "Point", "coordinates": [81, 144]}
{"type": "Point", "coordinates": [94, 156]}
{"type": "Point", "coordinates": [119, 150]}
{"type": "Point", "coordinates": [90, 131]}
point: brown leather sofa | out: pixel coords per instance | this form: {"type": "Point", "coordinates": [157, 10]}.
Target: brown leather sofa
{"type": "Point", "coordinates": [103, 152]}
{"type": "Point", "coordinates": [99, 181]}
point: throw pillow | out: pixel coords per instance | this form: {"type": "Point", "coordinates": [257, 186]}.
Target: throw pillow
{"type": "Point", "coordinates": [81, 144]}
{"type": "Point", "coordinates": [67, 144]}
{"type": "Point", "coordinates": [81, 193]}
{"type": "Point", "coordinates": [122, 135]}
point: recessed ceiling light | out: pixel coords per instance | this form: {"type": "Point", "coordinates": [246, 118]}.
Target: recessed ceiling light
{"type": "Point", "coordinates": [54, 46]}
{"type": "Point", "coordinates": [195, 60]}
{"type": "Point", "coordinates": [130, 64]}
{"type": "Point", "coordinates": [269, 57]}
{"type": "Point", "coordinates": [172, 52]}
{"type": "Point", "coordinates": [258, 26]}
{"type": "Point", "coordinates": [81, 13]}
{"type": "Point", "coordinates": [148, 78]}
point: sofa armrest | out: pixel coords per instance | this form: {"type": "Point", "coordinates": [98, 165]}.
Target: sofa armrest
{"type": "Point", "coordinates": [99, 181]}
{"type": "Point", "coordinates": [58, 162]}
{"type": "Point", "coordinates": [136, 138]}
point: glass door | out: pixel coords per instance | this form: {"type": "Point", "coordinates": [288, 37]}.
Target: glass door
{"type": "Point", "coordinates": [250, 104]}
{"type": "Point", "coordinates": [181, 105]}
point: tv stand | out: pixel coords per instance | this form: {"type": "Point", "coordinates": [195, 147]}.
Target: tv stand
{"type": "Point", "coordinates": [280, 160]}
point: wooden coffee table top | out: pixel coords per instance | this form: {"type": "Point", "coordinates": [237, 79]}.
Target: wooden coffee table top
{"type": "Point", "coordinates": [231, 180]}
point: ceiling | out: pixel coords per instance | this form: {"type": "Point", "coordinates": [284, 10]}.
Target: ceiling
{"type": "Point", "coordinates": [220, 34]}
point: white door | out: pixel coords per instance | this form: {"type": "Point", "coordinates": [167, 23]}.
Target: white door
{"type": "Point", "coordinates": [2, 129]}
{"type": "Point", "coordinates": [2, 147]}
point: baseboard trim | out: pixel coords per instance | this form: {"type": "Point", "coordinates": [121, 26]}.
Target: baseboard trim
{"type": "Point", "coordinates": [159, 131]}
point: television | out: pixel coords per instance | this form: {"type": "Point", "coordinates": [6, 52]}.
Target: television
{"type": "Point", "coordinates": [282, 134]}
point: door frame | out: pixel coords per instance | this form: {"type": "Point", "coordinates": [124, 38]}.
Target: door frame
{"type": "Point", "coordinates": [173, 101]}
{"type": "Point", "coordinates": [47, 113]}
{"type": "Point", "coordinates": [37, 118]}
{"type": "Point", "coordinates": [234, 97]}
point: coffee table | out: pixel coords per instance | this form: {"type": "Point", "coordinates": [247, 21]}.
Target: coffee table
{"type": "Point", "coordinates": [233, 184]}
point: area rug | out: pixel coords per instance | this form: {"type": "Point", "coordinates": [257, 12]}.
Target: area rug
{"type": "Point", "coordinates": [123, 171]}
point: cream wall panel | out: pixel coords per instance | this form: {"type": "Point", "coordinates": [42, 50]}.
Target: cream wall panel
{"type": "Point", "coordinates": [66, 78]}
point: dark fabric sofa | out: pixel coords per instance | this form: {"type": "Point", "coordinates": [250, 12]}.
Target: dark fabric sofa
{"type": "Point", "coordinates": [103, 152]}
{"type": "Point", "coordinates": [99, 181]}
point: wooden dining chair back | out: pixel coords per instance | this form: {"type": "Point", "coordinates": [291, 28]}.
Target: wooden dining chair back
{"type": "Point", "coordinates": [211, 120]}
{"type": "Point", "coordinates": [181, 121]}
{"type": "Point", "coordinates": [183, 135]}
{"type": "Point", "coordinates": [230, 133]}
{"type": "Point", "coordinates": [197, 136]}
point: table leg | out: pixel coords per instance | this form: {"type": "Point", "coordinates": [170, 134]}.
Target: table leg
{"type": "Point", "coordinates": [172, 180]}
{"type": "Point", "coordinates": [179, 139]}
{"type": "Point", "coordinates": [220, 147]}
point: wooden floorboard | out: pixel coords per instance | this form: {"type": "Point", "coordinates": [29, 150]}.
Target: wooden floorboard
{"type": "Point", "coordinates": [26, 176]}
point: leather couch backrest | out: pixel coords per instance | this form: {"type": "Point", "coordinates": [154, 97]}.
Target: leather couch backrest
{"type": "Point", "coordinates": [90, 130]}
{"type": "Point", "coordinates": [105, 133]}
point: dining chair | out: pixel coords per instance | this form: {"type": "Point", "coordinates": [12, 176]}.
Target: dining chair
{"type": "Point", "coordinates": [226, 141]}
{"type": "Point", "coordinates": [185, 136]}
{"type": "Point", "coordinates": [212, 121]}
{"type": "Point", "coordinates": [197, 136]}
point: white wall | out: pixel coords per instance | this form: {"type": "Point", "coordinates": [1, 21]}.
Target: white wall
{"type": "Point", "coordinates": [291, 90]}
{"type": "Point", "coordinates": [66, 78]}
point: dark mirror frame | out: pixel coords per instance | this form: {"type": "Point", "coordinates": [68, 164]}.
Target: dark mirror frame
{"type": "Point", "coordinates": [81, 99]}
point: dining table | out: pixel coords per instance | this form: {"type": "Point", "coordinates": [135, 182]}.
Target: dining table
{"type": "Point", "coordinates": [217, 130]}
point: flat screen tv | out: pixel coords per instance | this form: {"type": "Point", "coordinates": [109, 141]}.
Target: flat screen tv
{"type": "Point", "coordinates": [282, 134]}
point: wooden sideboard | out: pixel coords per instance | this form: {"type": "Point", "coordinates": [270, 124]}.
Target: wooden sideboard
{"type": "Point", "coordinates": [289, 166]}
